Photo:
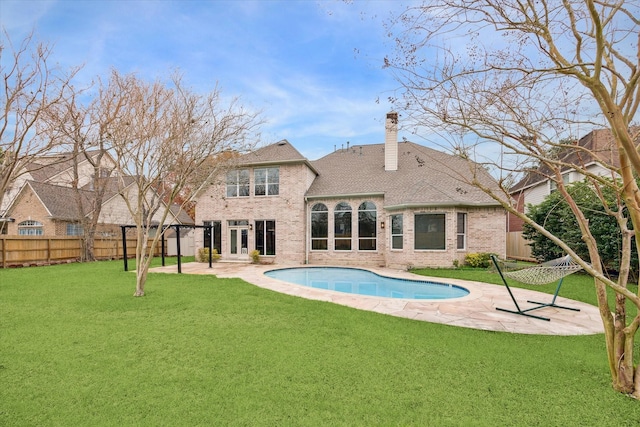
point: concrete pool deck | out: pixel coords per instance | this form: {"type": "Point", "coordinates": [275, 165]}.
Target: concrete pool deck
{"type": "Point", "coordinates": [476, 310]}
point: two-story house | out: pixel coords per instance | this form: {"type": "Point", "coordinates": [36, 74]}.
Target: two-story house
{"type": "Point", "coordinates": [44, 199]}
{"type": "Point", "coordinates": [395, 204]}
{"type": "Point", "coordinates": [595, 153]}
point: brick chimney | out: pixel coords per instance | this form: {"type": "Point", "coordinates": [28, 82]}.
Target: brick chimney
{"type": "Point", "coordinates": [391, 142]}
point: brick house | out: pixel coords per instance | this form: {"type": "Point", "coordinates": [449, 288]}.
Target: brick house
{"type": "Point", "coordinates": [43, 200]}
{"type": "Point", "coordinates": [595, 153]}
{"type": "Point", "coordinates": [392, 204]}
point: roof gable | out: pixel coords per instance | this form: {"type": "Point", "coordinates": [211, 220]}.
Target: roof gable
{"type": "Point", "coordinates": [598, 146]}
{"type": "Point", "coordinates": [61, 201]}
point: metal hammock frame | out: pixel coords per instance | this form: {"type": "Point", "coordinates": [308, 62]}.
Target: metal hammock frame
{"type": "Point", "coordinates": [541, 274]}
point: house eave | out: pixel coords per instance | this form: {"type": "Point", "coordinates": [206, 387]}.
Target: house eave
{"type": "Point", "coordinates": [431, 205]}
{"type": "Point", "coordinates": [279, 162]}
{"type": "Point", "coordinates": [343, 196]}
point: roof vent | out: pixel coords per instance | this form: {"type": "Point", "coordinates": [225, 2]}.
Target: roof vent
{"type": "Point", "coordinates": [283, 142]}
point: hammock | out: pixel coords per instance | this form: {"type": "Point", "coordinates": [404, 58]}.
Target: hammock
{"type": "Point", "coordinates": [541, 274]}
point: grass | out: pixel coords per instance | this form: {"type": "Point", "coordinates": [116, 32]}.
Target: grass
{"type": "Point", "coordinates": [77, 349]}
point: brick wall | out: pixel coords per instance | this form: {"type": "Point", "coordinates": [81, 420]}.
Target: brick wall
{"type": "Point", "coordinates": [485, 226]}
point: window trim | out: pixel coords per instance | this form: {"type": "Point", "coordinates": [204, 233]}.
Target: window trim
{"type": "Point", "coordinates": [237, 183]}
{"type": "Point", "coordinates": [262, 225]}
{"type": "Point", "coordinates": [267, 184]}
{"type": "Point", "coordinates": [319, 239]}
{"type": "Point", "coordinates": [464, 233]}
{"type": "Point", "coordinates": [415, 227]}
{"type": "Point", "coordinates": [30, 225]}
{"type": "Point", "coordinates": [367, 209]}
{"type": "Point", "coordinates": [392, 234]}
{"type": "Point", "coordinates": [77, 228]}
{"type": "Point", "coordinates": [343, 208]}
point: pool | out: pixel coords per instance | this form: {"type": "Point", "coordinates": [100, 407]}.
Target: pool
{"type": "Point", "coordinates": [364, 282]}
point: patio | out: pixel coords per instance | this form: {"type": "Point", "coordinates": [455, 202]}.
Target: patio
{"type": "Point", "coordinates": [476, 310]}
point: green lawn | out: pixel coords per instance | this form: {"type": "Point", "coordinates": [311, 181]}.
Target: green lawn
{"type": "Point", "coordinates": [77, 349]}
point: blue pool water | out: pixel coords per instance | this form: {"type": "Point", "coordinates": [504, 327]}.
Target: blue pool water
{"type": "Point", "coordinates": [364, 282]}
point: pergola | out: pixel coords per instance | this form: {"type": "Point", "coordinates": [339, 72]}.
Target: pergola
{"type": "Point", "coordinates": [177, 227]}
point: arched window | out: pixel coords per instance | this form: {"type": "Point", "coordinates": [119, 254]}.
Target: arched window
{"type": "Point", "coordinates": [319, 227]}
{"type": "Point", "coordinates": [367, 227]}
{"type": "Point", "coordinates": [342, 227]}
{"type": "Point", "coordinates": [30, 228]}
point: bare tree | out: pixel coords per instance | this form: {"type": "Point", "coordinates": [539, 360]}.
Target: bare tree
{"type": "Point", "coordinates": [504, 80]}
{"type": "Point", "coordinates": [168, 131]}
{"type": "Point", "coordinates": [30, 89]}
{"type": "Point", "coordinates": [82, 123]}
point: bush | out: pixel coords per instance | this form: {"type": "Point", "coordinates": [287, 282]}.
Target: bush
{"type": "Point", "coordinates": [203, 255]}
{"type": "Point", "coordinates": [555, 215]}
{"type": "Point", "coordinates": [255, 256]}
{"type": "Point", "coordinates": [478, 260]}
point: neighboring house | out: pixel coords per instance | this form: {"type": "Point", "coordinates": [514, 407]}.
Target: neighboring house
{"type": "Point", "coordinates": [594, 151]}
{"type": "Point", "coordinates": [43, 209]}
{"type": "Point", "coordinates": [187, 235]}
{"type": "Point", "coordinates": [56, 169]}
{"type": "Point", "coordinates": [392, 204]}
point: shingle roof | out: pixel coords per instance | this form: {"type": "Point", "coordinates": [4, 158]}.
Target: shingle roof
{"type": "Point", "coordinates": [599, 146]}
{"type": "Point", "coordinates": [278, 153]}
{"type": "Point", "coordinates": [181, 216]}
{"type": "Point", "coordinates": [425, 177]}
{"type": "Point", "coordinates": [61, 201]}
{"type": "Point", "coordinates": [44, 168]}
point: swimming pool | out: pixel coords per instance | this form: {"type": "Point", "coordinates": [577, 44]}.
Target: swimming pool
{"type": "Point", "coordinates": [364, 282]}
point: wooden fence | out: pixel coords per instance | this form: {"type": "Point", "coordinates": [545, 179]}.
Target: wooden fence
{"type": "Point", "coordinates": [42, 250]}
{"type": "Point", "coordinates": [517, 247]}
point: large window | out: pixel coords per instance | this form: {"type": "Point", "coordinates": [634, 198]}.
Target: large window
{"type": "Point", "coordinates": [238, 183]}
{"type": "Point", "coordinates": [429, 231]}
{"type": "Point", "coordinates": [461, 233]}
{"type": "Point", "coordinates": [319, 227]}
{"type": "Point", "coordinates": [216, 229]}
{"type": "Point", "coordinates": [396, 232]}
{"type": "Point", "coordinates": [267, 182]}
{"type": "Point", "coordinates": [30, 228]}
{"type": "Point", "coordinates": [367, 227]}
{"type": "Point", "coordinates": [342, 227]}
{"type": "Point", "coordinates": [74, 229]}
{"type": "Point", "coordinates": [266, 237]}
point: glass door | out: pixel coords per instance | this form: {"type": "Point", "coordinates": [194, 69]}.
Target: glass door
{"type": "Point", "coordinates": [239, 242]}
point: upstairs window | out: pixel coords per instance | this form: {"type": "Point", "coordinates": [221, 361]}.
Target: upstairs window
{"type": "Point", "coordinates": [238, 183]}
{"type": "Point", "coordinates": [267, 182]}
{"type": "Point", "coordinates": [319, 227]}
{"type": "Point", "coordinates": [367, 227]}
{"type": "Point", "coordinates": [342, 227]}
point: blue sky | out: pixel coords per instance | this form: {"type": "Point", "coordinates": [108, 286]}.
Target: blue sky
{"type": "Point", "coordinates": [313, 67]}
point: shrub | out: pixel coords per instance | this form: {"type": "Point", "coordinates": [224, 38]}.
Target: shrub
{"type": "Point", "coordinates": [556, 216]}
{"type": "Point", "coordinates": [255, 256]}
{"type": "Point", "coordinates": [203, 255]}
{"type": "Point", "coordinates": [478, 260]}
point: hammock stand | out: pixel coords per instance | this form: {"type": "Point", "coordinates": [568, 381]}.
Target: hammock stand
{"type": "Point", "coordinates": [541, 274]}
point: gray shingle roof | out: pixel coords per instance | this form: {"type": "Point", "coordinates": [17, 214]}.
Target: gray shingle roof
{"type": "Point", "coordinates": [61, 201]}
{"type": "Point", "coordinates": [598, 146]}
{"type": "Point", "coordinates": [44, 168]}
{"type": "Point", "coordinates": [277, 153]}
{"type": "Point", "coordinates": [425, 177]}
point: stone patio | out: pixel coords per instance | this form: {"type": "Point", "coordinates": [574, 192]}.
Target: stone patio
{"type": "Point", "coordinates": [476, 310]}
